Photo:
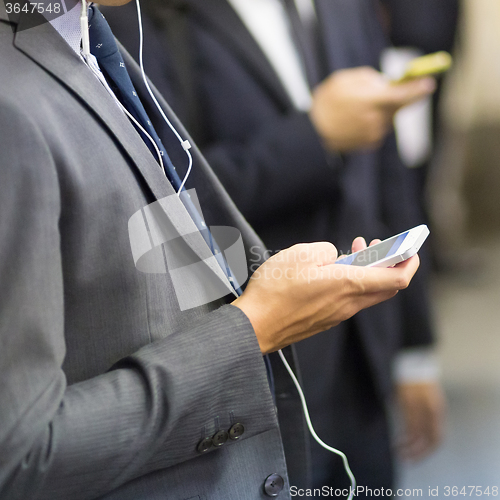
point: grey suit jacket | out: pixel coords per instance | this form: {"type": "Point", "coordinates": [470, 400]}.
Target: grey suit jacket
{"type": "Point", "coordinates": [106, 386]}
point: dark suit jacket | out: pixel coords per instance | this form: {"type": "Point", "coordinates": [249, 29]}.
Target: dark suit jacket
{"type": "Point", "coordinates": [269, 157]}
{"type": "Point", "coordinates": [429, 25]}
{"type": "Point", "coordinates": [106, 386]}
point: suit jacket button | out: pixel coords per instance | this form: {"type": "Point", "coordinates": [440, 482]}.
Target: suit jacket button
{"type": "Point", "coordinates": [219, 438]}
{"type": "Point", "coordinates": [273, 485]}
{"type": "Point", "coordinates": [204, 445]}
{"type": "Point", "coordinates": [236, 431]}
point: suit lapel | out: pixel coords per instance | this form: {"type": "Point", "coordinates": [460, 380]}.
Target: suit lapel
{"type": "Point", "coordinates": [46, 48]}
{"type": "Point", "coordinates": [330, 23]}
{"type": "Point", "coordinates": [3, 13]}
{"type": "Point", "coordinates": [220, 18]}
{"type": "Point", "coordinates": [341, 32]}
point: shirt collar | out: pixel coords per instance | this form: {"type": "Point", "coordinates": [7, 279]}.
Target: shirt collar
{"type": "Point", "coordinates": [68, 26]}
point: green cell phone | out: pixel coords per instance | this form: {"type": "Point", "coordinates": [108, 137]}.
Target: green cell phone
{"type": "Point", "coordinates": [431, 64]}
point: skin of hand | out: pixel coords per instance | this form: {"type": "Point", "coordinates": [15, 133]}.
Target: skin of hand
{"type": "Point", "coordinates": [301, 291]}
{"type": "Point", "coordinates": [354, 108]}
{"type": "Point", "coordinates": [423, 409]}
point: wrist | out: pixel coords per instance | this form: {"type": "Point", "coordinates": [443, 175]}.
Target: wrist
{"type": "Point", "coordinates": [416, 365]}
{"type": "Point", "coordinates": [259, 325]}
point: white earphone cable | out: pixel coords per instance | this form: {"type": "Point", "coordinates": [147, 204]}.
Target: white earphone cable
{"type": "Point", "coordinates": [92, 65]}
{"type": "Point", "coordinates": [84, 27]}
{"type": "Point", "coordinates": [141, 128]}
{"type": "Point", "coordinates": [184, 143]}
{"type": "Point", "coordinates": [311, 428]}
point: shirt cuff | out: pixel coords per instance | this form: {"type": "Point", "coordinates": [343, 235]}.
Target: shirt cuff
{"type": "Point", "coordinates": [416, 365]}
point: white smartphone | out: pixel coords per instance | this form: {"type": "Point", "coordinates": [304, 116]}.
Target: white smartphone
{"type": "Point", "coordinates": [391, 251]}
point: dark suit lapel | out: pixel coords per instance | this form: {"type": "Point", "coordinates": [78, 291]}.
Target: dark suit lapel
{"type": "Point", "coordinates": [331, 26]}
{"type": "Point", "coordinates": [220, 18]}
{"type": "Point", "coordinates": [46, 48]}
{"type": "Point", "coordinates": [342, 33]}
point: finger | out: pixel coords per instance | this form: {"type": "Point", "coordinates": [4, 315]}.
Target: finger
{"type": "Point", "coordinates": [320, 253]}
{"type": "Point", "coordinates": [358, 244]}
{"type": "Point", "coordinates": [424, 420]}
{"type": "Point", "coordinates": [410, 265]}
{"type": "Point", "coordinates": [415, 442]}
{"type": "Point", "coordinates": [396, 96]}
{"type": "Point", "coordinates": [412, 91]}
{"type": "Point", "coordinates": [358, 303]}
{"type": "Point", "coordinates": [414, 450]}
{"type": "Point", "coordinates": [435, 425]}
{"type": "Point", "coordinates": [374, 242]}
{"type": "Point", "coordinates": [372, 299]}
{"type": "Point", "coordinates": [367, 280]}
{"type": "Point", "coordinates": [323, 253]}
{"type": "Point", "coordinates": [343, 256]}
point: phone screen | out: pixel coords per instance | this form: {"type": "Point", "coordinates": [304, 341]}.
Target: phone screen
{"type": "Point", "coordinates": [377, 252]}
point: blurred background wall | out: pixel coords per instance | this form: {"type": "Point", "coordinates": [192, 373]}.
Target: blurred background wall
{"type": "Point", "coordinates": [465, 178]}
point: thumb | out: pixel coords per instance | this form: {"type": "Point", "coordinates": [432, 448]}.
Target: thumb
{"type": "Point", "coordinates": [402, 94]}
{"type": "Point", "coordinates": [323, 253]}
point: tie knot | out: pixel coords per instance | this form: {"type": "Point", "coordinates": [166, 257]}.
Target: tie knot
{"type": "Point", "coordinates": [102, 40]}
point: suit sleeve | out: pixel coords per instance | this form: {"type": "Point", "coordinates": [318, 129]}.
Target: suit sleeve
{"type": "Point", "coordinates": [146, 413]}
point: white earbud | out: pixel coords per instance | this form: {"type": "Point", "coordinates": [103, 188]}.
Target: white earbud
{"type": "Point", "coordinates": [84, 26]}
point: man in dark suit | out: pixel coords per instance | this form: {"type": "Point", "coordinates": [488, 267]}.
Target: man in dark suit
{"type": "Point", "coordinates": [328, 171]}
{"type": "Point", "coordinates": [109, 389]}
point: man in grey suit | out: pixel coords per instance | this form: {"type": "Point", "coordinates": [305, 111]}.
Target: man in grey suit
{"type": "Point", "coordinates": [108, 389]}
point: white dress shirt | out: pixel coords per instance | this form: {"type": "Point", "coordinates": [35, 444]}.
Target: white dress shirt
{"type": "Point", "coordinates": [68, 26]}
{"type": "Point", "coordinates": [267, 22]}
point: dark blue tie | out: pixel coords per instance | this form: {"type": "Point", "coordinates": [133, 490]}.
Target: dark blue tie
{"type": "Point", "coordinates": [104, 48]}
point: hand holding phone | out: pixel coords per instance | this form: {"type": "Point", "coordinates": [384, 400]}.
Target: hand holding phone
{"type": "Point", "coordinates": [391, 251]}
